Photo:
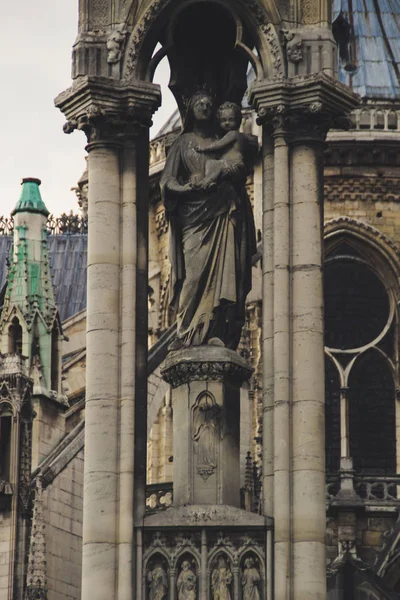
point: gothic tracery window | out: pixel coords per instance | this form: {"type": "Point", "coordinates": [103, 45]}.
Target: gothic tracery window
{"type": "Point", "coordinates": [360, 382]}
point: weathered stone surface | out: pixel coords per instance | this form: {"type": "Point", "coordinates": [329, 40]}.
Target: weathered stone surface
{"type": "Point", "coordinates": [197, 515]}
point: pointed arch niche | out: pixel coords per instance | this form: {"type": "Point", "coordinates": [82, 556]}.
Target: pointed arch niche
{"type": "Point", "coordinates": [361, 295]}
{"type": "Point", "coordinates": [6, 419]}
{"type": "Point", "coordinates": [15, 337]}
{"type": "Point", "coordinates": [208, 43]}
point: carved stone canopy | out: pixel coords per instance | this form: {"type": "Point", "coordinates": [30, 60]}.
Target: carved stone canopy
{"type": "Point", "coordinates": [202, 49]}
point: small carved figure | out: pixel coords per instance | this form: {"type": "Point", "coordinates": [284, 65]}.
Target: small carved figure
{"type": "Point", "coordinates": [234, 143]}
{"type": "Point", "coordinates": [115, 44]}
{"type": "Point", "coordinates": [158, 583]}
{"type": "Point", "coordinates": [221, 579]}
{"type": "Point", "coordinates": [187, 583]}
{"type": "Point", "coordinates": [250, 580]}
{"type": "Point", "coordinates": [294, 46]}
{"type": "Point", "coordinates": [205, 434]}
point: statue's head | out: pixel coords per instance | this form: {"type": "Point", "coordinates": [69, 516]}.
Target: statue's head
{"type": "Point", "coordinates": [221, 561]}
{"type": "Point", "coordinates": [185, 565]}
{"type": "Point", "coordinates": [229, 116]}
{"type": "Point", "coordinates": [199, 108]}
{"type": "Point", "coordinates": [249, 562]}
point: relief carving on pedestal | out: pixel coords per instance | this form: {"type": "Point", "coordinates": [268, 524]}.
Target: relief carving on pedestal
{"type": "Point", "coordinates": [187, 582]}
{"type": "Point", "coordinates": [157, 581]}
{"type": "Point", "coordinates": [250, 580]}
{"type": "Point", "coordinates": [221, 579]}
{"type": "Point", "coordinates": [206, 426]}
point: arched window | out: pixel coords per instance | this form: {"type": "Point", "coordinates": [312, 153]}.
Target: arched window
{"type": "Point", "coordinates": [15, 337]}
{"type": "Point", "coordinates": [372, 419]}
{"type": "Point", "coordinates": [332, 417]}
{"type": "Point", "coordinates": [360, 333]}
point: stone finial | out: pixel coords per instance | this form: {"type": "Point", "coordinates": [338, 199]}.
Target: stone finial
{"type": "Point", "coordinates": [30, 199]}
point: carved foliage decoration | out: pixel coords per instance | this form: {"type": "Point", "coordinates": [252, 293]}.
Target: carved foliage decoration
{"type": "Point", "coordinates": [206, 433]}
{"type": "Point", "coordinates": [36, 588]}
{"type": "Point", "coordinates": [25, 464]}
{"type": "Point", "coordinates": [309, 11]}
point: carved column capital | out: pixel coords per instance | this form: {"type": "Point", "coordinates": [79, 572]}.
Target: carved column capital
{"type": "Point", "coordinates": [205, 363]}
{"type": "Point", "coordinates": [302, 108]}
{"type": "Point", "coordinates": [108, 111]}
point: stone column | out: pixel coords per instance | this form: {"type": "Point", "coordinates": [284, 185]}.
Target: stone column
{"type": "Point", "coordinates": [102, 371]}
{"type": "Point", "coordinates": [299, 112]}
{"type": "Point", "coordinates": [115, 119]}
{"type": "Point", "coordinates": [268, 323]}
{"type": "Point", "coordinates": [308, 415]}
{"type": "Point", "coordinates": [282, 375]}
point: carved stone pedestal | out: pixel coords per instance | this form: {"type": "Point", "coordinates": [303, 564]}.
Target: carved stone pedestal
{"type": "Point", "coordinates": [205, 547]}
{"type": "Point", "coordinates": [206, 384]}
{"type": "Point", "coordinates": [204, 552]}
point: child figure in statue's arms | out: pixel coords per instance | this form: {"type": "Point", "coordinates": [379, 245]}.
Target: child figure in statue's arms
{"type": "Point", "coordinates": [235, 147]}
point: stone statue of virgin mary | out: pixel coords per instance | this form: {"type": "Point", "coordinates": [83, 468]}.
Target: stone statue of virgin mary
{"type": "Point", "coordinates": [212, 235]}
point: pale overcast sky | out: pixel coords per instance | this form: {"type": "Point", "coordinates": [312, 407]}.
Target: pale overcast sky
{"type": "Point", "coordinates": [35, 61]}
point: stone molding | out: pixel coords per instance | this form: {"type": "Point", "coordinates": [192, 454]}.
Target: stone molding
{"type": "Point", "coordinates": [356, 150]}
{"type": "Point", "coordinates": [205, 363]}
{"type": "Point", "coordinates": [364, 189]}
{"type": "Point", "coordinates": [107, 111]}
{"type": "Point", "coordinates": [347, 224]}
{"type": "Point", "coordinates": [206, 515]}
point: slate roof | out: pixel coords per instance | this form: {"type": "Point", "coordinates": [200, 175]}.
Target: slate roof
{"type": "Point", "coordinates": [376, 26]}
{"type": "Point", "coordinates": [68, 262]}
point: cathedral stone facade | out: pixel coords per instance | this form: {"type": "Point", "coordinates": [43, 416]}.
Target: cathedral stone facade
{"type": "Point", "coordinates": [135, 463]}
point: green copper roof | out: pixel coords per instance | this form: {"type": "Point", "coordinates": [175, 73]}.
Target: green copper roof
{"type": "Point", "coordinates": [30, 199]}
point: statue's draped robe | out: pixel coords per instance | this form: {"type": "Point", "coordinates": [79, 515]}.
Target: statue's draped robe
{"type": "Point", "coordinates": [212, 240]}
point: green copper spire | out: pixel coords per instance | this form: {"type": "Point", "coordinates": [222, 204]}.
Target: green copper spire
{"type": "Point", "coordinates": [30, 199]}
